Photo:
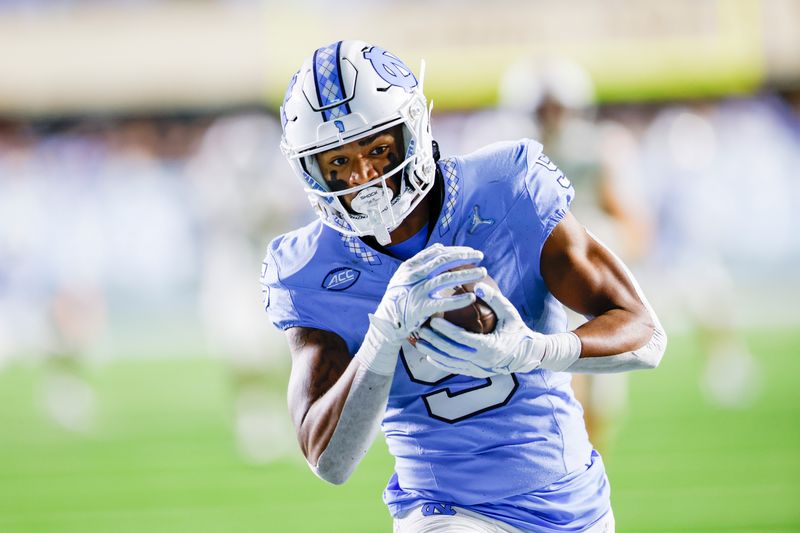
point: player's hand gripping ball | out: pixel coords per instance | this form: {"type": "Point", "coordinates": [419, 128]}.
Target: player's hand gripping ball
{"type": "Point", "coordinates": [476, 317]}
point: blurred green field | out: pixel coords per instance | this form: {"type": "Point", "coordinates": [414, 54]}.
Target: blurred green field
{"type": "Point", "coordinates": [163, 457]}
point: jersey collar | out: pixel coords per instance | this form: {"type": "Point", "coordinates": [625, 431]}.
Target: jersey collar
{"type": "Point", "coordinates": [452, 187]}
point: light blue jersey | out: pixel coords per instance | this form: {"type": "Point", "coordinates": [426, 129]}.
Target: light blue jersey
{"type": "Point", "coordinates": [512, 447]}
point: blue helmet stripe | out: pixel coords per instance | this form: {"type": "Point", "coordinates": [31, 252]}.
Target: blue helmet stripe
{"type": "Point", "coordinates": [328, 81]}
{"type": "Point", "coordinates": [346, 110]}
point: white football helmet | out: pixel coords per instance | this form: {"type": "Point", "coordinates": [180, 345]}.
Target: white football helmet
{"type": "Point", "coordinates": [343, 92]}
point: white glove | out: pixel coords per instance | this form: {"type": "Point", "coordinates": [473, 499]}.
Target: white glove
{"type": "Point", "coordinates": [415, 292]}
{"type": "Point", "coordinates": [511, 347]}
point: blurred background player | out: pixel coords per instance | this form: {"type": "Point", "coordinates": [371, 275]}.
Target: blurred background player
{"type": "Point", "coordinates": [553, 100]}
{"type": "Point", "coordinates": [694, 153]}
{"type": "Point", "coordinates": [103, 217]}
{"type": "Point", "coordinates": [78, 315]}
{"type": "Point", "coordinates": [233, 172]}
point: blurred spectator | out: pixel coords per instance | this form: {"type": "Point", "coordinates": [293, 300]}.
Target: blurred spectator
{"type": "Point", "coordinates": [141, 211]}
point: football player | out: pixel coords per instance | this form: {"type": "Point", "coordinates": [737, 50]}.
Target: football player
{"type": "Point", "coordinates": [485, 429]}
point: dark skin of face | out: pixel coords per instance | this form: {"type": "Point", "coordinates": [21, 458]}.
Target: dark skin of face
{"type": "Point", "coordinates": [361, 161]}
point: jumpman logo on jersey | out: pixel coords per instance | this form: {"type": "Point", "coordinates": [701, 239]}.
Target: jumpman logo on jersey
{"type": "Point", "coordinates": [477, 221]}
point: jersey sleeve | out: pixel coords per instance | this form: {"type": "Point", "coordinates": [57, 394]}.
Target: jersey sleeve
{"type": "Point", "coordinates": [549, 189]}
{"type": "Point", "coordinates": [276, 297]}
{"type": "Point", "coordinates": [283, 307]}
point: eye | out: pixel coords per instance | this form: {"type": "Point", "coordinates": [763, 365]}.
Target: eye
{"type": "Point", "coordinates": [338, 161]}
{"type": "Point", "coordinates": [379, 150]}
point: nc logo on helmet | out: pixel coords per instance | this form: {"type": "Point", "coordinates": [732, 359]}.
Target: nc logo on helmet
{"type": "Point", "coordinates": [391, 68]}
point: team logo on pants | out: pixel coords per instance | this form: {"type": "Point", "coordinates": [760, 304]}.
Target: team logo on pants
{"type": "Point", "coordinates": [430, 509]}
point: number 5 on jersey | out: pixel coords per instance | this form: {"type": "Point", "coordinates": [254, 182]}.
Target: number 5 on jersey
{"type": "Point", "coordinates": [448, 406]}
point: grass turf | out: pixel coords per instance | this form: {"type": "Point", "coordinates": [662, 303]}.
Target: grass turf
{"type": "Point", "coordinates": [163, 457]}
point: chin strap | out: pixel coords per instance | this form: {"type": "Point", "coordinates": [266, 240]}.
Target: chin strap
{"type": "Point", "coordinates": [379, 228]}
{"type": "Point", "coordinates": [373, 203]}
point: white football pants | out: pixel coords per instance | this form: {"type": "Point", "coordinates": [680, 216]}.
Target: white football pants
{"type": "Point", "coordinates": [466, 521]}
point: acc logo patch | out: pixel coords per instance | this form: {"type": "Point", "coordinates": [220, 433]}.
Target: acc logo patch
{"type": "Point", "coordinates": [340, 279]}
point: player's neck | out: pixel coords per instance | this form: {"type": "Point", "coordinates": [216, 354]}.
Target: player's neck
{"type": "Point", "coordinates": [413, 223]}
{"type": "Point", "coordinates": [426, 213]}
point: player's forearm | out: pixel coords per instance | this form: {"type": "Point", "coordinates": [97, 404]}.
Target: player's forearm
{"type": "Point", "coordinates": [357, 423]}
{"type": "Point", "coordinates": [617, 331]}
{"type": "Point", "coordinates": [606, 343]}
{"type": "Point", "coordinates": [645, 357]}
{"type": "Point", "coordinates": [337, 409]}
{"type": "Point", "coordinates": [627, 338]}
{"type": "Point", "coordinates": [318, 422]}
{"type": "Point", "coordinates": [350, 418]}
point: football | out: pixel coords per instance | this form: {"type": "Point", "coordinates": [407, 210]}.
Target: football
{"type": "Point", "coordinates": [477, 317]}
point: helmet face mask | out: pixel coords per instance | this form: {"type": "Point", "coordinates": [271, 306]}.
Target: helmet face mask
{"type": "Point", "coordinates": [345, 92]}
